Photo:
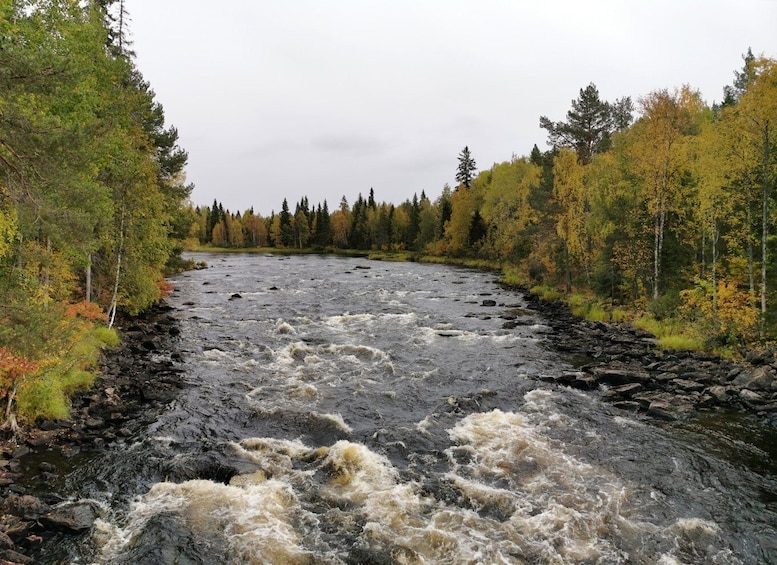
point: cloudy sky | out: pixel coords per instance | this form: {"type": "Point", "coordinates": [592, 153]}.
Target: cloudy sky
{"type": "Point", "coordinates": [282, 99]}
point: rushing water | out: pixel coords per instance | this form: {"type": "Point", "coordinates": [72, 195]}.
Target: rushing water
{"type": "Point", "coordinates": [383, 415]}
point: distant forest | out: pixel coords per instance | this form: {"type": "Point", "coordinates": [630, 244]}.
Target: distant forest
{"type": "Point", "coordinates": [666, 205]}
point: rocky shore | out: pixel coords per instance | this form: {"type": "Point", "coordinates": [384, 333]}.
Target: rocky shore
{"type": "Point", "coordinates": [137, 380]}
{"type": "Point", "coordinates": [632, 373]}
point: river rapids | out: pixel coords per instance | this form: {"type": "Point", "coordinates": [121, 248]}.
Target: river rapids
{"type": "Point", "coordinates": [344, 411]}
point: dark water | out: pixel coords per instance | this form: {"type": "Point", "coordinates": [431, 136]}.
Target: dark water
{"type": "Point", "coordinates": [382, 415]}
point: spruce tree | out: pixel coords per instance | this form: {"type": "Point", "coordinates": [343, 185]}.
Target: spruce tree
{"type": "Point", "coordinates": [465, 172]}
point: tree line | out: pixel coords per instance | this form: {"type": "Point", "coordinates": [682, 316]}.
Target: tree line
{"type": "Point", "coordinates": [666, 205]}
{"type": "Point", "coordinates": [92, 193]}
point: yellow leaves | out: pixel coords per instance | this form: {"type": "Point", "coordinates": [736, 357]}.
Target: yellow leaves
{"type": "Point", "coordinates": [725, 312]}
{"type": "Point", "coordinates": [570, 192]}
{"type": "Point", "coordinates": [8, 231]}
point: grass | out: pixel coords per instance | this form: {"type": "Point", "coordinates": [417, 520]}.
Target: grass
{"type": "Point", "coordinates": [547, 293]}
{"type": "Point", "coordinates": [671, 333]}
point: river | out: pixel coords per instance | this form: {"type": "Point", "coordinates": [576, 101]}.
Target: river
{"type": "Point", "coordinates": [380, 413]}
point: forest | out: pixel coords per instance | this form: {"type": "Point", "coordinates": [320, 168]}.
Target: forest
{"type": "Point", "coordinates": [92, 195]}
{"type": "Point", "coordinates": [661, 211]}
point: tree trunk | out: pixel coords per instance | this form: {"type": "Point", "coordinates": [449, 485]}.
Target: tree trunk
{"type": "Point", "coordinates": [88, 290]}
{"type": "Point", "coordinates": [714, 267]}
{"type": "Point", "coordinates": [115, 297]}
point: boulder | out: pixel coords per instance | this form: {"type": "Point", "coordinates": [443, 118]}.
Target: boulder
{"type": "Point", "coordinates": [73, 519]}
{"type": "Point", "coordinates": [624, 391]}
{"type": "Point", "coordinates": [662, 410]}
{"type": "Point", "coordinates": [619, 376]}
{"type": "Point", "coordinates": [15, 558]}
{"type": "Point", "coordinates": [752, 397]}
{"type": "Point", "coordinates": [719, 393]}
{"type": "Point", "coordinates": [688, 385]}
{"type": "Point", "coordinates": [760, 379]}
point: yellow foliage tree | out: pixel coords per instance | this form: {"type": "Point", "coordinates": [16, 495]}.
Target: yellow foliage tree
{"type": "Point", "coordinates": [570, 192]}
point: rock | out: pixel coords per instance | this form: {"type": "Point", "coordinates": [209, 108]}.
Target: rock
{"type": "Point", "coordinates": [624, 391]}
{"type": "Point", "coordinates": [687, 385]}
{"type": "Point", "coordinates": [619, 376]}
{"type": "Point", "coordinates": [628, 405]}
{"type": "Point", "coordinates": [698, 377]}
{"type": "Point", "coordinates": [489, 302]}
{"type": "Point", "coordinates": [761, 379]}
{"type": "Point", "coordinates": [15, 558]}
{"type": "Point", "coordinates": [666, 377]}
{"type": "Point", "coordinates": [25, 507]}
{"type": "Point", "coordinates": [20, 452]}
{"type": "Point", "coordinates": [95, 423]}
{"type": "Point", "coordinates": [5, 541]}
{"type": "Point", "coordinates": [751, 397]}
{"type": "Point", "coordinates": [75, 519]}
{"type": "Point", "coordinates": [235, 296]}
{"type": "Point", "coordinates": [47, 467]}
{"type": "Point", "coordinates": [41, 438]}
{"type": "Point", "coordinates": [719, 393]}
{"type": "Point", "coordinates": [662, 410]}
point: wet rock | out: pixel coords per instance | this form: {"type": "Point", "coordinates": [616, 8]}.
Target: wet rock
{"type": "Point", "coordinates": [25, 507]}
{"type": "Point", "coordinates": [12, 557]}
{"type": "Point", "coordinates": [628, 405]}
{"type": "Point", "coordinates": [72, 519]}
{"type": "Point", "coordinates": [20, 452]}
{"type": "Point", "coordinates": [41, 438]}
{"type": "Point", "coordinates": [235, 296]}
{"type": "Point", "coordinates": [624, 391]}
{"type": "Point", "coordinates": [489, 302]}
{"type": "Point", "coordinates": [47, 467]}
{"type": "Point", "coordinates": [619, 376]}
{"type": "Point", "coordinates": [662, 410]}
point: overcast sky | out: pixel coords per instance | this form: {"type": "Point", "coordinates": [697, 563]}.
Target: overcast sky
{"type": "Point", "coordinates": [328, 98]}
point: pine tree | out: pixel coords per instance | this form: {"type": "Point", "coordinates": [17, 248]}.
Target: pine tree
{"type": "Point", "coordinates": [590, 124]}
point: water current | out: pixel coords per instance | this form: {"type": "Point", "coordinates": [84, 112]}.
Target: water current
{"type": "Point", "coordinates": [379, 413]}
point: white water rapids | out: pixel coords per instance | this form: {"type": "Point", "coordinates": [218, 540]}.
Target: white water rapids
{"type": "Point", "coordinates": [380, 413]}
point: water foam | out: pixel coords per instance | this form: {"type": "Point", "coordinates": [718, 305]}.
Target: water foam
{"type": "Point", "coordinates": [256, 519]}
{"type": "Point", "coordinates": [562, 508]}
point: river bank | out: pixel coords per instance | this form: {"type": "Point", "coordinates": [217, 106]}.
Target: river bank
{"type": "Point", "coordinates": [137, 380]}
{"type": "Point", "coordinates": [625, 364]}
